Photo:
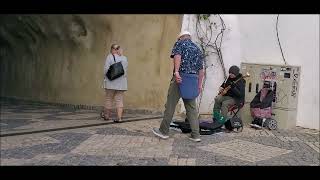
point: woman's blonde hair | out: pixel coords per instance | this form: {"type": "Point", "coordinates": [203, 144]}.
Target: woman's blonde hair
{"type": "Point", "coordinates": [115, 46]}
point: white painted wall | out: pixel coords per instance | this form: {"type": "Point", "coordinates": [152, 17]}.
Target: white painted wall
{"type": "Point", "coordinates": [299, 37]}
{"type": "Point", "coordinates": [252, 38]}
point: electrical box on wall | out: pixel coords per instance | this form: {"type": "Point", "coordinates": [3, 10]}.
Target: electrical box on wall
{"type": "Point", "coordinates": [285, 84]}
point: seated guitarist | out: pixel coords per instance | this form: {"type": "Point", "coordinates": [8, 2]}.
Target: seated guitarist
{"type": "Point", "coordinates": [225, 98]}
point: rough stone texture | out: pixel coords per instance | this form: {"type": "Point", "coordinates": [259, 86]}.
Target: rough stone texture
{"type": "Point", "coordinates": [60, 58]}
{"type": "Point", "coordinates": [27, 117]}
{"type": "Point", "coordinates": [121, 145]}
{"type": "Point", "coordinates": [245, 150]}
{"type": "Point", "coordinates": [133, 143]}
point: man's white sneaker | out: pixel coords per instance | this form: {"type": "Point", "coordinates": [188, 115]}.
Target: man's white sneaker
{"type": "Point", "coordinates": [157, 132]}
{"type": "Point", "coordinates": [195, 139]}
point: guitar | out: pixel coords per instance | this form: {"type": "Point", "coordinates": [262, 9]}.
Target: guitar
{"type": "Point", "coordinates": [225, 90]}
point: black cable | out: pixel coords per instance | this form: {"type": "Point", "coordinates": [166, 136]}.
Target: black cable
{"type": "Point", "coordinates": [279, 40]}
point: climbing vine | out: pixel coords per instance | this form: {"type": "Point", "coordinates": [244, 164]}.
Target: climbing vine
{"type": "Point", "coordinates": [206, 28]}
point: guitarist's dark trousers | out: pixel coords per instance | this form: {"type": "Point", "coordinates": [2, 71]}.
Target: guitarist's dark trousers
{"type": "Point", "coordinates": [222, 103]}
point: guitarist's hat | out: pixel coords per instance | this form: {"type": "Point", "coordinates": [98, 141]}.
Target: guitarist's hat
{"type": "Point", "coordinates": [234, 70]}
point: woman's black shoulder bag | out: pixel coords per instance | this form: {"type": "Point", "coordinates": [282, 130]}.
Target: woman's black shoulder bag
{"type": "Point", "coordinates": [115, 70]}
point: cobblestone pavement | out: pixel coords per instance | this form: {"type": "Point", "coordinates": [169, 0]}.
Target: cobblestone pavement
{"type": "Point", "coordinates": [29, 117]}
{"type": "Point", "coordinates": [132, 143]}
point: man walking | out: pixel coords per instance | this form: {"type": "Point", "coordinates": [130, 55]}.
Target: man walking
{"type": "Point", "coordinates": [188, 59]}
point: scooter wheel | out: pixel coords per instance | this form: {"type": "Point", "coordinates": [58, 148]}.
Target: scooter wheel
{"type": "Point", "coordinates": [272, 125]}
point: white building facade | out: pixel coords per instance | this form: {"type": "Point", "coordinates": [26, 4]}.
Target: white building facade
{"type": "Point", "coordinates": [253, 39]}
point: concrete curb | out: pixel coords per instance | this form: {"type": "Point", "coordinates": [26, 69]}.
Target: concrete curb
{"type": "Point", "coordinates": [79, 126]}
{"type": "Point", "coordinates": [15, 100]}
